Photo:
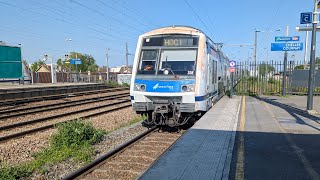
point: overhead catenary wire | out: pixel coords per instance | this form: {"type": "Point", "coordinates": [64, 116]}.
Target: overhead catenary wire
{"type": "Point", "coordinates": [199, 18]}
{"type": "Point", "coordinates": [138, 13]}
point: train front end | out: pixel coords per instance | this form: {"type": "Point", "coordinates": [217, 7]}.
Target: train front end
{"type": "Point", "coordinates": [164, 83]}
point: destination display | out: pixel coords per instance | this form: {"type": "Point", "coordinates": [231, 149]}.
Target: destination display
{"type": "Point", "coordinates": [171, 41]}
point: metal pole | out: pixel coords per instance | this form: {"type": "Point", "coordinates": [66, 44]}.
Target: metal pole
{"type": "Point", "coordinates": [63, 68]}
{"type": "Point", "coordinates": [231, 89]}
{"type": "Point", "coordinates": [127, 57]}
{"type": "Point", "coordinates": [76, 68]}
{"type": "Point", "coordinates": [52, 81]}
{"type": "Point", "coordinates": [312, 59]}
{"type": "Point", "coordinates": [284, 79]}
{"type": "Point", "coordinates": [255, 47]}
{"type": "Point", "coordinates": [107, 59]}
{"type": "Point", "coordinates": [306, 49]}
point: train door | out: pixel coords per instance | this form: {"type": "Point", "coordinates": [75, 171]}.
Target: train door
{"type": "Point", "coordinates": [214, 76]}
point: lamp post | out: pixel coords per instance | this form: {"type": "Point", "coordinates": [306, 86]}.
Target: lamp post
{"type": "Point", "coordinates": [70, 40]}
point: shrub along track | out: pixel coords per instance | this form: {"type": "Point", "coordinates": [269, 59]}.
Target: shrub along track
{"type": "Point", "coordinates": [130, 159]}
{"type": "Point", "coordinates": [28, 127]}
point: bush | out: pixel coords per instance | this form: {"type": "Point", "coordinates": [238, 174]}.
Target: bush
{"type": "Point", "coordinates": [73, 140]}
{"type": "Point", "coordinates": [75, 133]}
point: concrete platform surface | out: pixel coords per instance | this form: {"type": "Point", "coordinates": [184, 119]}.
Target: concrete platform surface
{"type": "Point", "coordinates": [205, 150]}
{"type": "Point", "coordinates": [276, 142]}
{"type": "Point", "coordinates": [299, 102]}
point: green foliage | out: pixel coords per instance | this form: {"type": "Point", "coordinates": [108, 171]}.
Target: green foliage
{"type": "Point", "coordinates": [36, 65]}
{"type": "Point", "coordinates": [265, 69]}
{"type": "Point", "coordinates": [88, 63]}
{"type": "Point", "coordinates": [116, 84]}
{"type": "Point", "coordinates": [299, 67]}
{"type": "Point", "coordinates": [125, 85]}
{"type": "Point", "coordinates": [73, 140]}
{"type": "Point", "coordinates": [14, 172]}
{"type": "Point", "coordinates": [75, 133]}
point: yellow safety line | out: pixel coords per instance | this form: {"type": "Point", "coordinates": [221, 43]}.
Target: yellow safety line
{"type": "Point", "coordinates": [307, 165]}
{"type": "Point", "coordinates": [240, 153]}
{"type": "Point", "coordinates": [243, 114]}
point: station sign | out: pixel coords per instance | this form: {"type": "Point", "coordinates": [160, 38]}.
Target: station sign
{"type": "Point", "coordinates": [232, 66]}
{"type": "Point", "coordinates": [286, 38]}
{"type": "Point", "coordinates": [286, 46]}
{"type": "Point", "coordinates": [306, 18]}
{"type": "Point", "coordinates": [75, 61]}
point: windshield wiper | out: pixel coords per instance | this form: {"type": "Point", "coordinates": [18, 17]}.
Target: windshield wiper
{"type": "Point", "coordinates": [167, 69]}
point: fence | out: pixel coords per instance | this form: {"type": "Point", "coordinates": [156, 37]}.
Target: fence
{"type": "Point", "coordinates": [45, 77]}
{"type": "Point", "coordinates": [267, 78]}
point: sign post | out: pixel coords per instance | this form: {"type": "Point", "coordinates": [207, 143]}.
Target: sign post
{"type": "Point", "coordinates": [232, 70]}
{"type": "Point", "coordinates": [76, 61]}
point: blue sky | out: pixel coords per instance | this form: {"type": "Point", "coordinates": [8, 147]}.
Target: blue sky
{"type": "Point", "coordinates": [42, 26]}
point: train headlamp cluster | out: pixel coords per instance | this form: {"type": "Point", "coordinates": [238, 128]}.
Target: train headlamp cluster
{"type": "Point", "coordinates": [187, 88]}
{"type": "Point", "coordinates": [139, 87]}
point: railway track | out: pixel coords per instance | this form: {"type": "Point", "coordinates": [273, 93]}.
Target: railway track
{"type": "Point", "coordinates": [12, 131]}
{"type": "Point", "coordinates": [49, 107]}
{"type": "Point", "coordinates": [54, 97]}
{"type": "Point", "coordinates": [130, 159]}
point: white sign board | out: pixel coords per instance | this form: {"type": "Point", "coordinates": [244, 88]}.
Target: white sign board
{"type": "Point", "coordinates": [124, 78]}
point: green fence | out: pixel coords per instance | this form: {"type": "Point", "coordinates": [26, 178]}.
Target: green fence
{"type": "Point", "coordinates": [10, 62]}
{"type": "Point", "coordinates": [266, 77]}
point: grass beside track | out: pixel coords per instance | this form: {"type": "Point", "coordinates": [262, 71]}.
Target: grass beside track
{"type": "Point", "coordinates": [74, 140]}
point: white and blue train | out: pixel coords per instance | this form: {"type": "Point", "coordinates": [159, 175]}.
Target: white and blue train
{"type": "Point", "coordinates": [178, 72]}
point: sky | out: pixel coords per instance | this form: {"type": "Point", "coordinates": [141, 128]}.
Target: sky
{"type": "Point", "coordinates": [56, 27]}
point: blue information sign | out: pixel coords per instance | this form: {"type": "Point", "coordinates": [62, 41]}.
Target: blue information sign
{"type": "Point", "coordinates": [306, 18]}
{"type": "Point", "coordinates": [286, 46]}
{"type": "Point", "coordinates": [75, 61]}
{"type": "Point", "coordinates": [286, 38]}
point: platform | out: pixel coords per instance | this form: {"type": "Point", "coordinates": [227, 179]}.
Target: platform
{"type": "Point", "coordinates": [205, 150]}
{"type": "Point", "coordinates": [276, 142]}
{"type": "Point", "coordinates": [298, 102]}
{"type": "Point", "coordinates": [273, 141]}
{"type": "Point", "coordinates": [14, 91]}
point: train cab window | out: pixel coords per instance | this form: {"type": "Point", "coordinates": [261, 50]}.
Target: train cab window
{"type": "Point", "coordinates": [179, 61]}
{"type": "Point", "coordinates": [148, 62]}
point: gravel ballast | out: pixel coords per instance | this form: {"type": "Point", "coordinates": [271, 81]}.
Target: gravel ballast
{"type": "Point", "coordinates": [20, 150]}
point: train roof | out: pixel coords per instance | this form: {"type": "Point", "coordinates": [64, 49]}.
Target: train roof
{"type": "Point", "coordinates": [181, 29]}
{"type": "Point", "coordinates": [174, 29]}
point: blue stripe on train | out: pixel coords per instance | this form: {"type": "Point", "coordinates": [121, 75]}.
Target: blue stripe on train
{"type": "Point", "coordinates": [164, 86]}
{"type": "Point", "coordinates": [202, 98]}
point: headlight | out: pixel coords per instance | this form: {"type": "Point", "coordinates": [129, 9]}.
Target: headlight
{"type": "Point", "coordinates": [139, 87]}
{"type": "Point", "coordinates": [187, 88]}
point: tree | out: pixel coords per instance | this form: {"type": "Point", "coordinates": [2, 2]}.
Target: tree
{"type": "Point", "coordinates": [265, 69]}
{"type": "Point", "coordinates": [88, 62]}
{"type": "Point", "coordinates": [299, 67]}
{"type": "Point", "coordinates": [36, 65]}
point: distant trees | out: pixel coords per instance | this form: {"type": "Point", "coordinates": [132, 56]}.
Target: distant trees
{"type": "Point", "coordinates": [88, 62]}
{"type": "Point", "coordinates": [307, 66]}
{"type": "Point", "coordinates": [265, 69]}
{"type": "Point", "coordinates": [36, 65]}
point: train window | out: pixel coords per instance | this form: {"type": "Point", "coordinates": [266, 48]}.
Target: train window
{"type": "Point", "coordinates": [148, 62]}
{"type": "Point", "coordinates": [179, 61]}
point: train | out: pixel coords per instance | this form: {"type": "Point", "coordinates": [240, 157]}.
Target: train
{"type": "Point", "coordinates": [178, 73]}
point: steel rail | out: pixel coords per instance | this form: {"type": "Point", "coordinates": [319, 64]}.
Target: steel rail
{"type": "Point", "coordinates": [41, 98]}
{"type": "Point", "coordinates": [19, 124]}
{"type": "Point", "coordinates": [31, 131]}
{"type": "Point", "coordinates": [48, 105]}
{"type": "Point", "coordinates": [60, 106]}
{"type": "Point", "coordinates": [91, 166]}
